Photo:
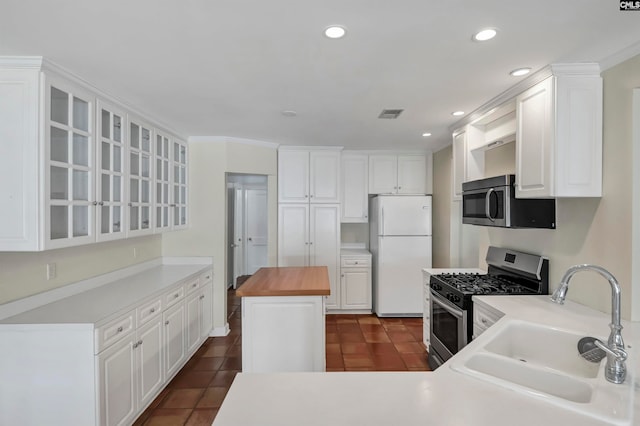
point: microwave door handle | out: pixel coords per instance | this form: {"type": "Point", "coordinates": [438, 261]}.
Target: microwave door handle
{"type": "Point", "coordinates": [487, 204]}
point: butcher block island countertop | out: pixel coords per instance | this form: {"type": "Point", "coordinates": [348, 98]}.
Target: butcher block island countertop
{"type": "Point", "coordinates": [287, 281]}
{"type": "Point", "coordinates": [283, 319]}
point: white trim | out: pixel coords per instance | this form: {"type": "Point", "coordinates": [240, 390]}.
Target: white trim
{"type": "Point", "coordinates": [309, 148]}
{"type": "Point", "coordinates": [21, 62]}
{"type": "Point", "coordinates": [231, 139]}
{"type": "Point", "coordinates": [620, 56]}
{"type": "Point", "coordinates": [635, 206]}
{"type": "Point", "coordinates": [199, 260]}
{"type": "Point", "coordinates": [220, 331]}
{"type": "Point", "coordinates": [586, 68]}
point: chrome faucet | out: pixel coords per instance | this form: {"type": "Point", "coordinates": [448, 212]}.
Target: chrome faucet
{"type": "Point", "coordinates": [615, 369]}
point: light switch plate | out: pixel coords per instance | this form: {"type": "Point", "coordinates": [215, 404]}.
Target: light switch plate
{"type": "Point", "coordinates": [51, 271]}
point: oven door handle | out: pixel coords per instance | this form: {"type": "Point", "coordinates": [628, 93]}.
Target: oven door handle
{"type": "Point", "coordinates": [487, 204]}
{"type": "Point", "coordinates": [439, 300]}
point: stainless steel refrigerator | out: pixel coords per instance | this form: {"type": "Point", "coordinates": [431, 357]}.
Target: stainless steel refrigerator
{"type": "Point", "coordinates": [400, 241]}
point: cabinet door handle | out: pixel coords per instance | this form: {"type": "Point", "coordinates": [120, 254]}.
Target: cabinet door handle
{"type": "Point", "coordinates": [175, 296]}
{"type": "Point", "coordinates": [306, 196]}
{"type": "Point", "coordinates": [202, 297]}
{"type": "Point", "coordinates": [483, 320]}
{"type": "Point", "coordinates": [101, 203]}
{"type": "Point", "coordinates": [152, 310]}
{"type": "Point", "coordinates": [95, 203]}
{"type": "Point", "coordinates": [166, 322]}
{"type": "Point", "coordinates": [120, 329]}
{"type": "Point", "coordinates": [194, 285]}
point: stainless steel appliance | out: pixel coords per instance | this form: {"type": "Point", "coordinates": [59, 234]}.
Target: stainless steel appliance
{"type": "Point", "coordinates": [509, 272]}
{"type": "Point", "coordinates": [492, 202]}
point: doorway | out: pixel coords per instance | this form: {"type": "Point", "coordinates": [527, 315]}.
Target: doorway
{"type": "Point", "coordinates": [247, 222]}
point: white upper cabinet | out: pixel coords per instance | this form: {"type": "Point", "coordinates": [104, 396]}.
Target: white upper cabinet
{"type": "Point", "coordinates": [355, 186]}
{"type": "Point", "coordinates": [559, 135]}
{"type": "Point", "coordinates": [74, 170]}
{"type": "Point", "coordinates": [70, 174]}
{"type": "Point", "coordinates": [398, 174]}
{"type": "Point", "coordinates": [308, 176]}
{"type": "Point", "coordinates": [459, 148]}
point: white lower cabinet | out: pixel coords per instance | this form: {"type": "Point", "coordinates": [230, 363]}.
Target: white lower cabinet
{"type": "Point", "coordinates": [354, 292]}
{"type": "Point", "coordinates": [103, 372]}
{"type": "Point", "coordinates": [130, 374]}
{"type": "Point", "coordinates": [484, 316]}
{"type": "Point", "coordinates": [283, 334]}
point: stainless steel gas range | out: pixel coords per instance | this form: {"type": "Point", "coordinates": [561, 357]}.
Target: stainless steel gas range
{"type": "Point", "coordinates": [509, 272]}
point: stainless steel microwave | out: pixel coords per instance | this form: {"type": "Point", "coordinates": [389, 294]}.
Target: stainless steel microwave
{"type": "Point", "coordinates": [492, 202]}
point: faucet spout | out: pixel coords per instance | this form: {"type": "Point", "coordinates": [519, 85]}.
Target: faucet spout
{"type": "Point", "coordinates": [615, 370]}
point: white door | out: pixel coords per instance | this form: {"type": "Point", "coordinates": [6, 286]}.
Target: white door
{"type": "Point", "coordinates": [256, 229]}
{"type": "Point", "coordinates": [194, 308]}
{"type": "Point", "coordinates": [174, 335]}
{"type": "Point", "coordinates": [238, 231]}
{"type": "Point", "coordinates": [324, 245]}
{"type": "Point", "coordinates": [293, 235]}
{"type": "Point", "coordinates": [533, 144]}
{"type": "Point", "coordinates": [355, 202]}
{"type": "Point", "coordinates": [149, 360]}
{"type": "Point", "coordinates": [117, 383]}
{"type": "Point", "coordinates": [324, 177]}
{"type": "Point", "coordinates": [412, 174]}
{"type": "Point", "coordinates": [398, 288]}
{"type": "Point", "coordinates": [405, 215]}
{"type": "Point", "coordinates": [293, 176]}
{"type": "Point", "coordinates": [355, 291]}
{"type": "Point", "coordinates": [383, 174]}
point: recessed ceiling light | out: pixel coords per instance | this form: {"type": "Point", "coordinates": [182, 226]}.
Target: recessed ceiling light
{"type": "Point", "coordinates": [335, 31]}
{"type": "Point", "coordinates": [484, 35]}
{"type": "Point", "coordinates": [520, 72]}
{"type": "Point", "coordinates": [426, 135]}
{"type": "Point", "coordinates": [457, 113]}
{"type": "Point", "coordinates": [289, 113]}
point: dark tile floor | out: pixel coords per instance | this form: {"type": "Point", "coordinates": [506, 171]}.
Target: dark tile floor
{"type": "Point", "coordinates": [354, 343]}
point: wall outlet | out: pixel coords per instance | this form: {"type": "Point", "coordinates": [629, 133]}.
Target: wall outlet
{"type": "Point", "coordinates": [135, 252]}
{"type": "Point", "coordinates": [51, 271]}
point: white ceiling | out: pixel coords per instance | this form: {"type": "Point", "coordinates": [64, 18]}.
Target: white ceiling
{"type": "Point", "coordinates": [229, 67]}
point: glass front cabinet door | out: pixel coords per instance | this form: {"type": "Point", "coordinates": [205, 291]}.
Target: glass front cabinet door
{"type": "Point", "coordinates": [162, 182]}
{"type": "Point", "coordinates": [179, 183]}
{"type": "Point", "coordinates": [111, 173]}
{"type": "Point", "coordinates": [69, 175]}
{"type": "Point", "coordinates": [140, 178]}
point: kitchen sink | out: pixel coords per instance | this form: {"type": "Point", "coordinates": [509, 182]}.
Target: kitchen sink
{"type": "Point", "coordinates": [512, 371]}
{"type": "Point", "coordinates": [544, 347]}
{"type": "Point", "coordinates": [543, 362]}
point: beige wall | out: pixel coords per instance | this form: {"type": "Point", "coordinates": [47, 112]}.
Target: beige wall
{"type": "Point", "coordinates": [24, 274]}
{"type": "Point", "coordinates": [442, 188]}
{"type": "Point", "coordinates": [588, 230]}
{"type": "Point", "coordinates": [209, 161]}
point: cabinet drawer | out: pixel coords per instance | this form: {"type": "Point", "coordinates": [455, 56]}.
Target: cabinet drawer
{"type": "Point", "coordinates": [356, 262]}
{"type": "Point", "coordinates": [149, 311]}
{"type": "Point", "coordinates": [192, 285]}
{"type": "Point", "coordinates": [206, 277]}
{"type": "Point", "coordinates": [113, 331]}
{"type": "Point", "coordinates": [483, 316]}
{"type": "Point", "coordinates": [174, 296]}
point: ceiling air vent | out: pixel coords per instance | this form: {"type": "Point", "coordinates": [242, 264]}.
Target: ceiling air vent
{"type": "Point", "coordinates": [390, 113]}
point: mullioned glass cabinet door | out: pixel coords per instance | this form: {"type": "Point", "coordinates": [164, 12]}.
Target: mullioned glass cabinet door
{"type": "Point", "coordinates": [141, 181]}
{"type": "Point", "coordinates": [179, 184]}
{"type": "Point", "coordinates": [110, 211]}
{"type": "Point", "coordinates": [162, 182]}
{"type": "Point", "coordinates": [69, 175]}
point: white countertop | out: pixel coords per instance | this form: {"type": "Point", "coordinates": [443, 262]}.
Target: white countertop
{"type": "Point", "coordinates": [354, 252]}
{"type": "Point", "coordinates": [442, 397]}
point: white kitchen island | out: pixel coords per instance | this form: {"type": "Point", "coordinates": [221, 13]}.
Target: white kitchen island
{"type": "Point", "coordinates": [442, 397]}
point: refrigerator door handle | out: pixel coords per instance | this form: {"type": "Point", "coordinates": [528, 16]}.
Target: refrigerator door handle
{"type": "Point", "coordinates": [382, 220]}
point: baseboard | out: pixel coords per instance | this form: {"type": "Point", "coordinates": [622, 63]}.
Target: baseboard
{"type": "Point", "coordinates": [349, 311]}
{"type": "Point", "coordinates": [220, 331]}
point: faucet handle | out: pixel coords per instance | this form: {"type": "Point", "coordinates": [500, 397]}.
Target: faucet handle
{"type": "Point", "coordinates": [619, 353]}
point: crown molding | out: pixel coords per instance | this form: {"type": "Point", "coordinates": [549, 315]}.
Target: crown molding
{"type": "Point", "coordinates": [620, 56]}
{"type": "Point", "coordinates": [231, 139]}
{"type": "Point", "coordinates": [22, 62]}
